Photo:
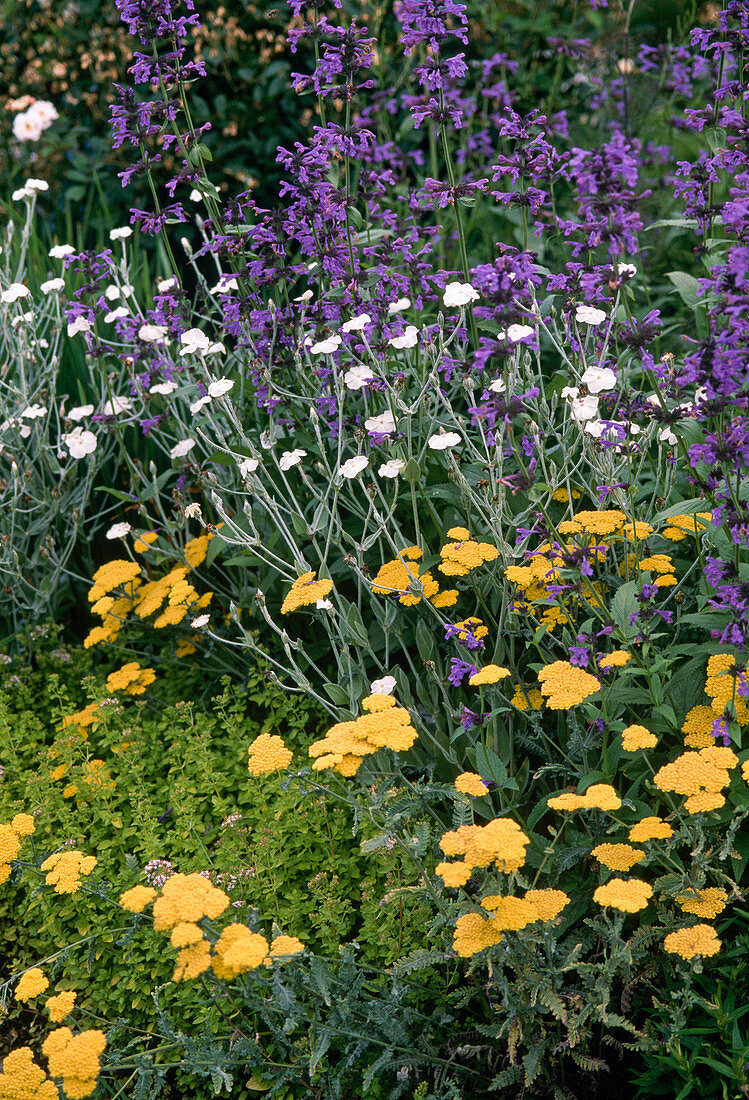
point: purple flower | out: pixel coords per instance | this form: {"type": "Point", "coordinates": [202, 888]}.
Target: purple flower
{"type": "Point", "coordinates": [459, 670]}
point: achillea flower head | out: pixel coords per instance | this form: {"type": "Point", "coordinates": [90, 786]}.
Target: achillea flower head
{"type": "Point", "coordinates": [700, 939]}
{"type": "Point", "coordinates": [627, 895]}
{"type": "Point", "coordinates": [267, 753]}
{"type": "Point", "coordinates": [187, 898]}
{"type": "Point", "coordinates": [697, 727]}
{"type": "Point", "coordinates": [489, 674]}
{"type": "Point", "coordinates": [238, 950]}
{"type": "Point", "coordinates": [474, 933]}
{"type": "Point", "coordinates": [23, 1079]}
{"type": "Point", "coordinates": [599, 796]}
{"type": "Point", "coordinates": [618, 857]}
{"type": "Point", "coordinates": [618, 658]}
{"type": "Point", "coordinates": [75, 1058]}
{"type": "Point", "coordinates": [131, 678]}
{"type": "Point", "coordinates": [470, 783]}
{"type": "Point", "coordinates": [565, 686]}
{"type": "Point", "coordinates": [59, 1006]}
{"type": "Point", "coordinates": [650, 828]}
{"type": "Point", "coordinates": [305, 591]}
{"type": "Point", "coordinates": [66, 869]}
{"type": "Point", "coordinates": [31, 984]}
{"type": "Point", "coordinates": [708, 903]}
{"type": "Point", "coordinates": [501, 843]}
{"type": "Point", "coordinates": [638, 737]}
{"type": "Point", "coordinates": [283, 947]}
{"type": "Point", "coordinates": [464, 553]}
{"type": "Point", "coordinates": [382, 725]}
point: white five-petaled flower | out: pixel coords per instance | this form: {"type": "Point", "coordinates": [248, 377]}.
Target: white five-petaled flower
{"type": "Point", "coordinates": [385, 686]}
{"type": "Point", "coordinates": [179, 450]}
{"type": "Point", "coordinates": [595, 428]}
{"type": "Point", "coordinates": [248, 466]}
{"type": "Point", "coordinates": [220, 387]}
{"type": "Point", "coordinates": [80, 443]}
{"type": "Point", "coordinates": [51, 285]}
{"type": "Point", "coordinates": [324, 605]}
{"type": "Point", "coordinates": [357, 377]}
{"type": "Point", "coordinates": [193, 511]}
{"type": "Point", "coordinates": [115, 314]}
{"type": "Point", "coordinates": [152, 334]}
{"type": "Point", "coordinates": [79, 412]}
{"type": "Point", "coordinates": [409, 339]}
{"type": "Point", "coordinates": [589, 315]}
{"type": "Point", "coordinates": [199, 404]}
{"type": "Point", "coordinates": [584, 408]}
{"type": "Point", "coordinates": [497, 386]}
{"type": "Point", "coordinates": [22, 193]}
{"type": "Point", "coordinates": [59, 251]}
{"type": "Point", "coordinates": [356, 324]}
{"type": "Point", "coordinates": [164, 388]}
{"type": "Point", "coordinates": [516, 332]}
{"type": "Point", "coordinates": [120, 234]}
{"type": "Point", "coordinates": [119, 530]}
{"type": "Point", "coordinates": [665, 435]}
{"type": "Point", "coordinates": [202, 620]}
{"type": "Point", "coordinates": [117, 405]}
{"type": "Point", "coordinates": [14, 292]}
{"type": "Point", "coordinates": [215, 348]}
{"type": "Point", "coordinates": [400, 305]}
{"type": "Point", "coordinates": [383, 424]}
{"type": "Point", "coordinates": [112, 292]}
{"type": "Point", "coordinates": [80, 324]}
{"type": "Point", "coordinates": [441, 442]}
{"type": "Point", "coordinates": [459, 294]}
{"type": "Point", "coordinates": [33, 412]}
{"type": "Point", "coordinates": [599, 379]}
{"type": "Point", "coordinates": [352, 467]}
{"type": "Point", "coordinates": [291, 458]}
{"type": "Point", "coordinates": [326, 347]}
{"type": "Point", "coordinates": [194, 342]}
{"type": "Point", "coordinates": [626, 269]}
{"type": "Point", "coordinates": [392, 467]}
{"type": "Point", "coordinates": [225, 285]}
{"type": "Point", "coordinates": [162, 285]}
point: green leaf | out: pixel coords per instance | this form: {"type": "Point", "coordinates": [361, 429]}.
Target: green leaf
{"type": "Point", "coordinates": [686, 286]}
{"type": "Point", "coordinates": [336, 694]}
{"type": "Point", "coordinates": [623, 605]}
{"type": "Point", "coordinates": [424, 640]}
{"type": "Point", "coordinates": [490, 766]}
{"type": "Point", "coordinates": [412, 472]}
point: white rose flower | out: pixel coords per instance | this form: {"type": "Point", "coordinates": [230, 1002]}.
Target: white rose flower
{"type": "Point", "coordinates": [220, 387]}
{"type": "Point", "coordinates": [194, 342]}
{"type": "Point", "coordinates": [164, 388]}
{"type": "Point", "coordinates": [391, 468]}
{"type": "Point", "coordinates": [119, 530]}
{"type": "Point", "coordinates": [248, 466]}
{"type": "Point", "coordinates": [117, 405]}
{"type": "Point", "coordinates": [115, 314]}
{"type": "Point", "coordinates": [459, 294]}
{"type": "Point", "coordinates": [59, 251]}
{"type": "Point", "coordinates": [356, 324]}
{"type": "Point", "coordinates": [441, 442]}
{"type": "Point", "coordinates": [179, 450]}
{"type": "Point", "coordinates": [584, 408]}
{"type": "Point", "coordinates": [120, 234]}
{"type": "Point", "coordinates": [352, 467]}
{"type": "Point", "coordinates": [152, 334]}
{"type": "Point", "coordinates": [51, 285]}
{"type": "Point", "coordinates": [400, 305]}
{"type": "Point", "coordinates": [291, 458]}
{"type": "Point", "coordinates": [599, 379]}
{"type": "Point", "coordinates": [79, 412]}
{"type": "Point", "coordinates": [409, 339]}
{"type": "Point", "coordinates": [357, 377]}
{"type": "Point", "coordinates": [382, 424]}
{"type": "Point", "coordinates": [80, 443]}
{"type": "Point", "coordinates": [14, 292]}
{"type": "Point", "coordinates": [589, 315]}
{"type": "Point", "coordinates": [385, 686]}
{"type": "Point", "coordinates": [326, 347]}
{"type": "Point", "coordinates": [33, 412]}
{"type": "Point", "coordinates": [80, 324]}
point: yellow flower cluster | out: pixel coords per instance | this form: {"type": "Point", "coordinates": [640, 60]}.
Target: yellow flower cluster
{"type": "Point", "coordinates": [489, 674]}
{"type": "Point", "coordinates": [638, 737]}
{"type": "Point", "coordinates": [283, 947]}
{"type": "Point", "coordinates": [60, 1006]}
{"type": "Point", "coordinates": [394, 578]}
{"type": "Point", "coordinates": [463, 553]}
{"type": "Point", "coordinates": [137, 898]}
{"type": "Point", "coordinates": [75, 1058]}
{"type": "Point", "coordinates": [65, 870]}
{"type": "Point", "coordinates": [564, 686]}
{"type": "Point", "coordinates": [470, 626]}
{"type": "Point", "coordinates": [682, 525]}
{"type": "Point", "coordinates": [11, 833]}
{"type": "Point", "coordinates": [700, 939]}
{"type": "Point", "coordinates": [628, 895]}
{"type": "Point", "coordinates": [599, 796]}
{"type": "Point", "coordinates": [600, 524]}
{"type": "Point", "coordinates": [384, 725]}
{"type": "Point", "coordinates": [131, 678]}
{"type": "Point", "coordinates": [31, 984]}
{"type": "Point", "coordinates": [650, 828]}
{"type": "Point", "coordinates": [267, 753]}
{"type": "Point", "coordinates": [527, 698]}
{"type": "Point", "coordinates": [699, 775]}
{"type": "Point", "coordinates": [82, 719]}
{"type": "Point", "coordinates": [618, 857]}
{"type": "Point", "coordinates": [237, 951]}
{"type": "Point", "coordinates": [23, 1079]}
{"type": "Point", "coordinates": [703, 903]}
{"type": "Point", "coordinates": [618, 658]}
{"type": "Point", "coordinates": [698, 726]}
{"type": "Point", "coordinates": [474, 933]}
{"type": "Point", "coordinates": [470, 783]}
{"type": "Point", "coordinates": [531, 579]}
{"type": "Point", "coordinates": [305, 591]}
{"type": "Point", "coordinates": [144, 541]}
{"type": "Point", "coordinates": [500, 843]}
{"type": "Point", "coordinates": [722, 686]}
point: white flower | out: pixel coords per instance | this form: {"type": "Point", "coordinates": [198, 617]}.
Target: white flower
{"type": "Point", "coordinates": [52, 285]}
{"type": "Point", "coordinates": [193, 341]}
{"type": "Point", "coordinates": [119, 530]}
{"type": "Point", "coordinates": [303, 297]}
{"type": "Point", "coordinates": [665, 435]}
{"type": "Point", "coordinates": [266, 440]}
{"type": "Point", "coordinates": [193, 511]}
{"type": "Point", "coordinates": [291, 458]}
{"type": "Point", "coordinates": [220, 387]}
{"type": "Point", "coordinates": [626, 269]}
{"type": "Point", "coordinates": [202, 620]}
{"type": "Point", "coordinates": [409, 339]}
{"type": "Point", "coordinates": [58, 251]}
{"type": "Point", "coordinates": [357, 377]}
{"type": "Point", "coordinates": [21, 193]}
{"type": "Point", "coordinates": [326, 347]}
{"type": "Point", "coordinates": [598, 379]}
{"type": "Point", "coordinates": [115, 314]}
{"type": "Point", "coordinates": [164, 388]}
{"type": "Point", "coordinates": [225, 285]}
{"type": "Point", "coordinates": [589, 315]}
{"type": "Point", "coordinates": [117, 405]}
{"type": "Point", "coordinates": [596, 428]}
{"type": "Point", "coordinates": [584, 408]}
{"type": "Point", "coordinates": [162, 285]}
{"type": "Point", "coordinates": [459, 294]}
{"type": "Point", "coordinates": [518, 332]}
{"type": "Point", "coordinates": [570, 391]}
{"type": "Point", "coordinates": [14, 291]}
{"type": "Point", "coordinates": [442, 442]}
{"type": "Point", "coordinates": [81, 324]}
{"type": "Point", "coordinates": [25, 431]}
{"type": "Point", "coordinates": [152, 334]}
{"type": "Point", "coordinates": [356, 324]}
{"type": "Point", "coordinates": [215, 348]}
{"type": "Point", "coordinates": [324, 605]}
{"type": "Point", "coordinates": [120, 234]}
{"type": "Point", "coordinates": [36, 185]}
{"type": "Point", "coordinates": [33, 412]}
{"type": "Point", "coordinates": [79, 412]}
{"type": "Point", "coordinates": [497, 386]}
{"type": "Point", "coordinates": [391, 468]}
{"type": "Point", "coordinates": [248, 466]}
{"type": "Point", "coordinates": [382, 424]}
{"type": "Point", "coordinates": [180, 449]}
{"type": "Point", "coordinates": [385, 686]}
{"type": "Point", "coordinates": [112, 292]}
{"type": "Point", "coordinates": [199, 404]}
{"type": "Point", "coordinates": [22, 318]}
{"type": "Point", "coordinates": [80, 442]}
{"type": "Point", "coordinates": [400, 305]}
{"type": "Point", "coordinates": [352, 467]}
